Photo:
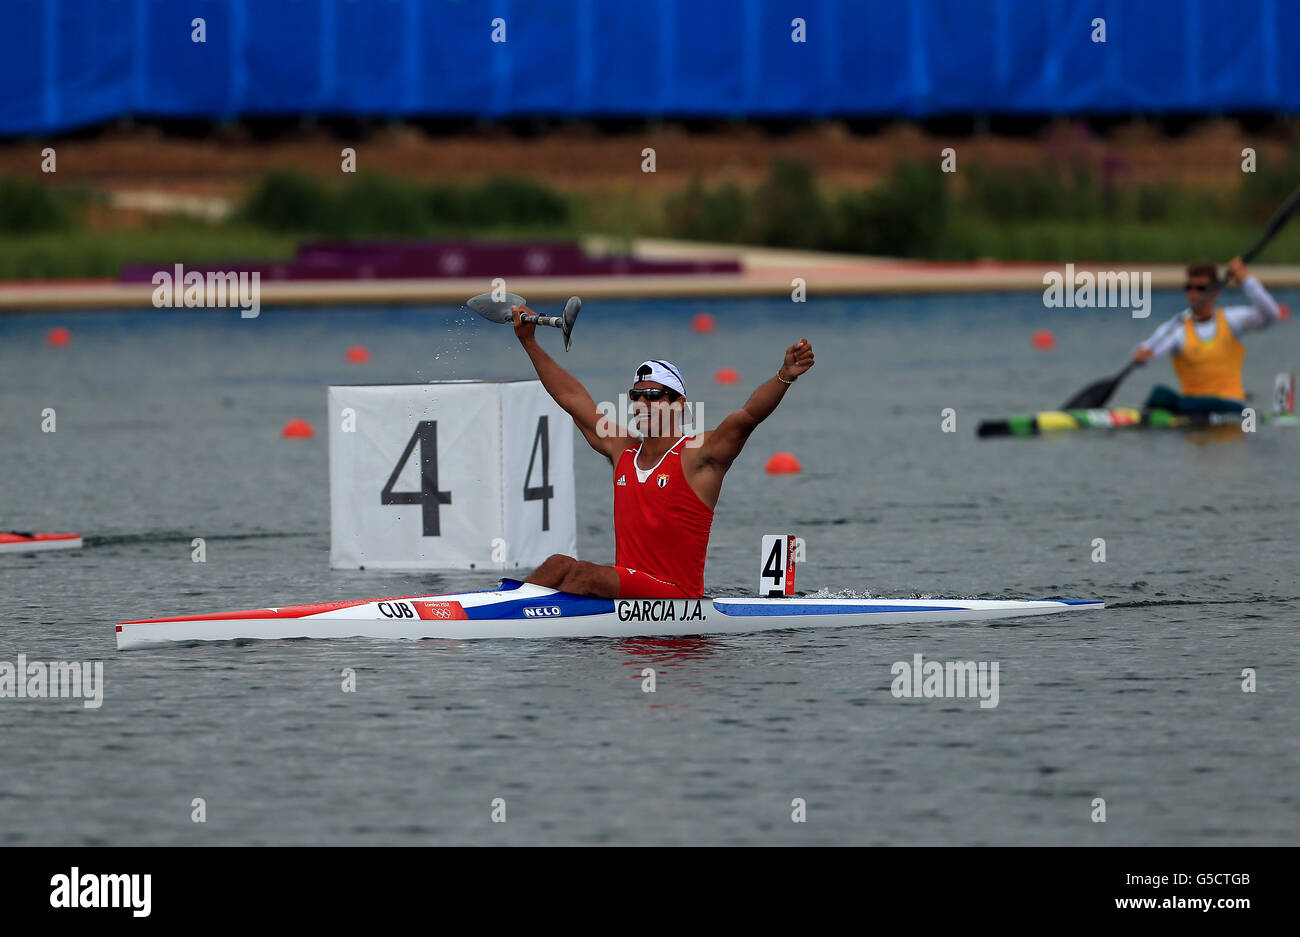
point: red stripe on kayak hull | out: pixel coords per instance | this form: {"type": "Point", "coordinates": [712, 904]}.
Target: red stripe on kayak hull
{"type": "Point", "coordinates": [8, 537]}
{"type": "Point", "coordinates": [291, 611]}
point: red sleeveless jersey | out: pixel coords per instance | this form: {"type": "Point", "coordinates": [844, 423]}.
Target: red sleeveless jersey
{"type": "Point", "coordinates": [661, 526]}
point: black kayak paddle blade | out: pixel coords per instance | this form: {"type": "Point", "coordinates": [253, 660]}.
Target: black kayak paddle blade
{"type": "Point", "coordinates": [1097, 394]}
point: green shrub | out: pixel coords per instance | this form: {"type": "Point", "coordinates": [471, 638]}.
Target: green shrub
{"type": "Point", "coordinates": [448, 205]}
{"type": "Point", "coordinates": [1053, 193]}
{"type": "Point", "coordinates": [1012, 194]}
{"type": "Point", "coordinates": [1265, 189]}
{"type": "Point", "coordinates": [378, 205]}
{"type": "Point", "coordinates": [1155, 202]}
{"type": "Point", "coordinates": [288, 200]}
{"type": "Point", "coordinates": [28, 208]}
{"type": "Point", "coordinates": [375, 205]}
{"type": "Point", "coordinates": [788, 210]}
{"type": "Point", "coordinates": [903, 216]}
{"type": "Point", "coordinates": [700, 214]}
{"type": "Point", "coordinates": [515, 200]}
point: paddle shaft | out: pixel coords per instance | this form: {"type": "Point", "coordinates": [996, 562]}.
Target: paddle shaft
{"type": "Point", "coordinates": [539, 319]}
{"type": "Point", "coordinates": [1280, 218]}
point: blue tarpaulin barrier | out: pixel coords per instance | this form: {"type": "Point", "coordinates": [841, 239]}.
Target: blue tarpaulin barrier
{"type": "Point", "coordinates": [70, 63]}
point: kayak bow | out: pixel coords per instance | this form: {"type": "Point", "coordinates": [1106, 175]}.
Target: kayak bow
{"type": "Point", "coordinates": [16, 541]}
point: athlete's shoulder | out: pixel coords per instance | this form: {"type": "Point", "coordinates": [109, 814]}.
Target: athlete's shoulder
{"type": "Point", "coordinates": [615, 454]}
{"type": "Point", "coordinates": [1174, 322]}
{"type": "Point", "coordinates": [695, 452]}
{"type": "Point", "coordinates": [694, 441]}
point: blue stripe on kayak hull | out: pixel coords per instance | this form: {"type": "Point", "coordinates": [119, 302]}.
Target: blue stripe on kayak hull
{"type": "Point", "coordinates": [784, 609]}
{"type": "Point", "coordinates": [559, 605]}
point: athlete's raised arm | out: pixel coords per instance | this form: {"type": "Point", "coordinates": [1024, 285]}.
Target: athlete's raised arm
{"type": "Point", "coordinates": [1263, 310]}
{"type": "Point", "coordinates": [567, 390]}
{"type": "Point", "coordinates": [723, 444]}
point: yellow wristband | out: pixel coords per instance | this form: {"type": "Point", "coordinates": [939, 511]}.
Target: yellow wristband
{"type": "Point", "coordinates": [783, 380]}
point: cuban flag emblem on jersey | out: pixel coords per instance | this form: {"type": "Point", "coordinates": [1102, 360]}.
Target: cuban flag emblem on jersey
{"type": "Point", "coordinates": [662, 480]}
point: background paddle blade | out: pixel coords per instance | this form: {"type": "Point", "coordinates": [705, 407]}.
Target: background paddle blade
{"type": "Point", "coordinates": [1094, 395]}
{"type": "Point", "coordinates": [1097, 394]}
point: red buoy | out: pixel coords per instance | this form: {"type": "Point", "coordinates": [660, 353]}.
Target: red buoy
{"type": "Point", "coordinates": [358, 354]}
{"type": "Point", "coordinates": [726, 376]}
{"type": "Point", "coordinates": [297, 429]}
{"type": "Point", "coordinates": [58, 337]}
{"type": "Point", "coordinates": [703, 323]}
{"type": "Point", "coordinates": [783, 463]}
{"type": "Point", "coordinates": [1043, 340]}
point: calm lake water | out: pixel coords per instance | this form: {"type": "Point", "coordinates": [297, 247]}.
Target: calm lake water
{"type": "Point", "coordinates": [168, 429]}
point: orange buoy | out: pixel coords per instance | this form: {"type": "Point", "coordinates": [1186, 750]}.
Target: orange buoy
{"type": "Point", "coordinates": [726, 376]}
{"type": "Point", "coordinates": [1043, 340]}
{"type": "Point", "coordinates": [358, 354]}
{"type": "Point", "coordinates": [58, 337]}
{"type": "Point", "coordinates": [297, 429]}
{"type": "Point", "coordinates": [703, 323]}
{"type": "Point", "coordinates": [783, 463]}
{"type": "Point", "coordinates": [1285, 311]}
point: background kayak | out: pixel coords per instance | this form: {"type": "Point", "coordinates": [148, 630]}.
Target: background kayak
{"type": "Point", "coordinates": [1056, 421]}
{"type": "Point", "coordinates": [14, 541]}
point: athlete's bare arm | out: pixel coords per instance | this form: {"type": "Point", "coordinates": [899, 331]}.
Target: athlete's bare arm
{"type": "Point", "coordinates": [720, 447]}
{"type": "Point", "coordinates": [568, 392]}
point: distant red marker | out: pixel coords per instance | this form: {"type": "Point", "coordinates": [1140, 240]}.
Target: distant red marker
{"type": "Point", "coordinates": [703, 323]}
{"type": "Point", "coordinates": [297, 429]}
{"type": "Point", "coordinates": [1043, 340]}
{"type": "Point", "coordinates": [358, 354]}
{"type": "Point", "coordinates": [726, 376]}
{"type": "Point", "coordinates": [783, 463]}
{"type": "Point", "coordinates": [58, 337]}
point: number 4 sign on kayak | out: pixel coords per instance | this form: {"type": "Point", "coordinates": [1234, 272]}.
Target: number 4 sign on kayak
{"type": "Point", "coordinates": [778, 554]}
{"type": "Point", "coordinates": [447, 474]}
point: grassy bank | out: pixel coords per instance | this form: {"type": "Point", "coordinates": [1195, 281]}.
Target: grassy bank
{"type": "Point", "coordinates": [80, 253]}
{"type": "Point", "coordinates": [1051, 214]}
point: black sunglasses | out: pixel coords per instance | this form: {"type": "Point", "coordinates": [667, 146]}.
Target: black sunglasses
{"type": "Point", "coordinates": [653, 393]}
{"type": "Point", "coordinates": [1200, 287]}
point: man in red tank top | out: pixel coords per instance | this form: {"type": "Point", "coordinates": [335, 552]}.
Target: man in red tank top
{"type": "Point", "coordinates": [665, 485]}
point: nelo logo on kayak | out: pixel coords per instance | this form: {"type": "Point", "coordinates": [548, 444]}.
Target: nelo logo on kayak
{"type": "Point", "coordinates": [660, 610]}
{"type": "Point", "coordinates": [543, 611]}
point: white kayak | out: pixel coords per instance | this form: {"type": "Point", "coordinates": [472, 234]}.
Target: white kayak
{"type": "Point", "coordinates": [524, 610]}
{"type": "Point", "coordinates": [12, 541]}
